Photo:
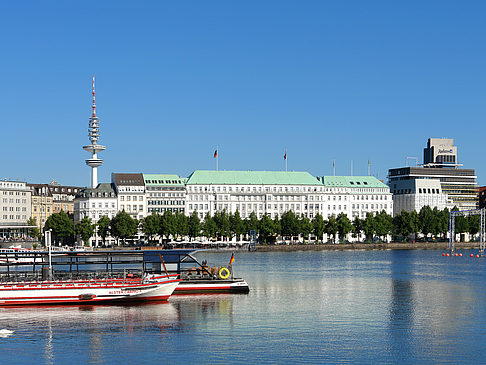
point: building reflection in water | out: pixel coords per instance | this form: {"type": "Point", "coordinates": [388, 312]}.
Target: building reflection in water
{"type": "Point", "coordinates": [402, 306]}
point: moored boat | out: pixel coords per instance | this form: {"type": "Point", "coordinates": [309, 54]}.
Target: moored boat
{"type": "Point", "coordinates": [86, 291]}
{"type": "Point", "coordinates": [197, 277]}
{"type": "Point", "coordinates": [79, 278]}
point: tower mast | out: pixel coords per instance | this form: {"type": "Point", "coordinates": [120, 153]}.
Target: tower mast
{"type": "Point", "coordinates": [94, 134]}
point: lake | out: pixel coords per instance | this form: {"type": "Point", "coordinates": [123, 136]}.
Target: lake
{"type": "Point", "coordinates": [303, 307]}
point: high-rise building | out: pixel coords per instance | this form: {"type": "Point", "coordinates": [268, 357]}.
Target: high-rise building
{"type": "Point", "coordinates": [440, 164]}
{"type": "Point", "coordinates": [440, 152]}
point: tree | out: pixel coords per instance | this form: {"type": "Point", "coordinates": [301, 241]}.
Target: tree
{"type": "Point", "coordinates": [223, 225]}
{"type": "Point", "coordinates": [318, 226]}
{"type": "Point", "coordinates": [435, 229]}
{"type": "Point", "coordinates": [180, 224]}
{"type": "Point", "coordinates": [209, 228]}
{"type": "Point", "coordinates": [62, 226]}
{"type": "Point", "coordinates": [461, 224]}
{"type": "Point", "coordinates": [85, 229]}
{"type": "Point", "coordinates": [123, 226]}
{"type": "Point", "coordinates": [426, 217]}
{"type": "Point", "coordinates": [369, 226]}
{"type": "Point", "coordinates": [400, 225]}
{"type": "Point", "coordinates": [344, 226]}
{"type": "Point", "coordinates": [414, 223]}
{"type": "Point", "coordinates": [290, 224]}
{"type": "Point", "coordinates": [167, 226]}
{"type": "Point", "coordinates": [266, 228]}
{"type": "Point", "coordinates": [151, 225]}
{"type": "Point", "coordinates": [305, 227]}
{"type": "Point", "coordinates": [444, 223]}
{"type": "Point", "coordinates": [194, 224]}
{"type": "Point", "coordinates": [331, 228]}
{"type": "Point", "coordinates": [473, 224]}
{"type": "Point", "coordinates": [277, 225]}
{"type": "Point", "coordinates": [34, 231]}
{"type": "Point", "coordinates": [237, 225]}
{"type": "Point", "coordinates": [104, 227]}
{"type": "Point", "coordinates": [252, 223]}
{"type": "Point", "coordinates": [383, 224]}
{"type": "Point", "coordinates": [357, 227]}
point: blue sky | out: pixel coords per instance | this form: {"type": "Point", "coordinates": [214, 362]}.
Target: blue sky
{"type": "Point", "coordinates": [341, 80]}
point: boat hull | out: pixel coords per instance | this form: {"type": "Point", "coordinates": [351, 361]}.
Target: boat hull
{"type": "Point", "coordinates": [67, 292]}
{"type": "Point", "coordinates": [207, 286]}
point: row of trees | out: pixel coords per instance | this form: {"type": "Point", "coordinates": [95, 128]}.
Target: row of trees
{"type": "Point", "coordinates": [431, 223]}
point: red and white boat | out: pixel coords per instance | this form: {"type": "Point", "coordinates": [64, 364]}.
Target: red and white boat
{"type": "Point", "coordinates": [148, 288]}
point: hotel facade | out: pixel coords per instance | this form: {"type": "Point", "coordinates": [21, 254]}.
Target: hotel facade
{"type": "Point", "coordinates": [276, 192]}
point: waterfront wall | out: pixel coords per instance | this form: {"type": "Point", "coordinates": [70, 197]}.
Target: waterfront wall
{"type": "Point", "coordinates": [369, 246]}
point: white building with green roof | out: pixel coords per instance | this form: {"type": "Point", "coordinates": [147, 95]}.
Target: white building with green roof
{"type": "Point", "coordinates": [165, 192]}
{"type": "Point", "coordinates": [275, 192]}
{"type": "Point", "coordinates": [262, 192]}
{"type": "Point", "coordinates": [356, 196]}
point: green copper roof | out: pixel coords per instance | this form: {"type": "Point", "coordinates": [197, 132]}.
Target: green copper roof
{"type": "Point", "coordinates": [252, 177]}
{"type": "Point", "coordinates": [352, 182]}
{"type": "Point", "coordinates": [162, 179]}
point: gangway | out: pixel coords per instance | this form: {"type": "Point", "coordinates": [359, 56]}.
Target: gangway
{"type": "Point", "coordinates": [464, 213]}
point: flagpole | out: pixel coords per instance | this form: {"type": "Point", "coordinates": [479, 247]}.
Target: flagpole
{"type": "Point", "coordinates": [285, 159]}
{"type": "Point", "coordinates": [333, 167]}
{"type": "Point", "coordinates": [369, 167]}
{"type": "Point", "coordinates": [217, 158]}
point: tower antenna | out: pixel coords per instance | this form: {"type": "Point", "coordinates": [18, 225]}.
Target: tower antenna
{"type": "Point", "coordinates": [94, 134]}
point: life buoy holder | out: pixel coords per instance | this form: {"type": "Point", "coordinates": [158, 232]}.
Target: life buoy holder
{"type": "Point", "coordinates": [224, 273]}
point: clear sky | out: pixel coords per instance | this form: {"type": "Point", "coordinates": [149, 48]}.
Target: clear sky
{"type": "Point", "coordinates": [328, 80]}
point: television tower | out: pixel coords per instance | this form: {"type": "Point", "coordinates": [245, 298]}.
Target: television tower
{"type": "Point", "coordinates": [94, 134]}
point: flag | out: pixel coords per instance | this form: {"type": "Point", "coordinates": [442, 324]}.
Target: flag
{"type": "Point", "coordinates": [232, 259]}
{"type": "Point", "coordinates": [285, 156]}
{"type": "Point", "coordinates": [215, 153]}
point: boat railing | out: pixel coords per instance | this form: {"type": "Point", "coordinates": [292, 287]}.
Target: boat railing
{"type": "Point", "coordinates": [37, 276]}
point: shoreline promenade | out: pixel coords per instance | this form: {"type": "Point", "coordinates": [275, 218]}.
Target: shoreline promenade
{"type": "Point", "coordinates": [368, 246]}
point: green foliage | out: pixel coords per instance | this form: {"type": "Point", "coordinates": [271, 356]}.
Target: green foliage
{"type": "Point", "coordinates": [103, 227]}
{"type": "Point", "coordinates": [209, 227]}
{"type": "Point", "coordinates": [251, 223]}
{"type": "Point", "coordinates": [181, 224]}
{"type": "Point", "coordinates": [318, 226]}
{"type": "Point", "coordinates": [344, 226]}
{"type": "Point", "coordinates": [223, 226]}
{"type": "Point", "coordinates": [305, 226]}
{"type": "Point", "coordinates": [194, 226]}
{"type": "Point", "coordinates": [290, 224]}
{"type": "Point", "coordinates": [266, 228]}
{"type": "Point", "coordinates": [462, 224]}
{"type": "Point", "coordinates": [369, 226]}
{"type": "Point", "coordinates": [167, 224]}
{"type": "Point", "coordinates": [331, 227]}
{"type": "Point", "coordinates": [123, 226]}
{"type": "Point", "coordinates": [278, 225]}
{"type": "Point", "coordinates": [151, 225]}
{"type": "Point", "coordinates": [444, 222]}
{"type": "Point", "coordinates": [237, 225]}
{"type": "Point", "coordinates": [62, 226]}
{"type": "Point", "coordinates": [383, 224]}
{"type": "Point", "coordinates": [427, 220]}
{"type": "Point", "coordinates": [33, 232]}
{"type": "Point", "coordinates": [85, 228]}
{"type": "Point", "coordinates": [357, 227]}
{"type": "Point", "coordinates": [473, 224]}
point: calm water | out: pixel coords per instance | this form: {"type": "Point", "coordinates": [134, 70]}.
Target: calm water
{"type": "Point", "coordinates": [304, 307]}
